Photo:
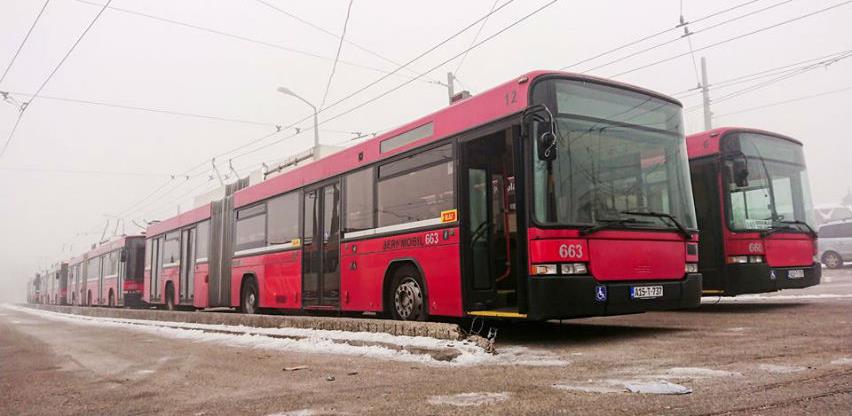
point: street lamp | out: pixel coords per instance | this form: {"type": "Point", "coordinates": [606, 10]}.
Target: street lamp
{"type": "Point", "coordinates": [287, 91]}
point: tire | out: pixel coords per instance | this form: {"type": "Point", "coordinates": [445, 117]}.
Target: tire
{"type": "Point", "coordinates": [249, 297]}
{"type": "Point", "coordinates": [170, 297]}
{"type": "Point", "coordinates": [111, 299]}
{"type": "Point", "coordinates": [407, 299]}
{"type": "Point", "coordinates": [832, 260]}
{"type": "Point", "coordinates": [89, 299]}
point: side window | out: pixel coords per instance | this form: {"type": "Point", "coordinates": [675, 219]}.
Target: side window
{"type": "Point", "coordinates": [149, 254]}
{"type": "Point", "coordinates": [171, 248]}
{"type": "Point", "coordinates": [416, 188]}
{"type": "Point", "coordinates": [251, 227]}
{"type": "Point", "coordinates": [359, 201]}
{"type": "Point", "coordinates": [845, 230]}
{"type": "Point", "coordinates": [828, 231]}
{"type": "Point", "coordinates": [283, 218]}
{"type": "Point", "coordinates": [202, 240]}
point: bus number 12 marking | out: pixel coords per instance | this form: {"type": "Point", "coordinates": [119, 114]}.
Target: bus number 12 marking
{"type": "Point", "coordinates": [571, 251]}
{"type": "Point", "coordinates": [511, 97]}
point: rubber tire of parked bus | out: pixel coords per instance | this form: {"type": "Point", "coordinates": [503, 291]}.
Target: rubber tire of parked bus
{"type": "Point", "coordinates": [406, 280]}
{"type": "Point", "coordinates": [249, 296]}
{"type": "Point", "coordinates": [170, 296]}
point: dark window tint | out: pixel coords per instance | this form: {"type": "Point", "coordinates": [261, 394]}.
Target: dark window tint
{"type": "Point", "coordinates": [428, 157]}
{"type": "Point", "coordinates": [417, 195]}
{"type": "Point", "coordinates": [310, 215]}
{"type": "Point", "coordinates": [283, 213]}
{"type": "Point", "coordinates": [171, 248]}
{"type": "Point", "coordinates": [202, 241]}
{"type": "Point", "coordinates": [251, 211]}
{"type": "Point", "coordinates": [251, 232]}
{"type": "Point", "coordinates": [359, 201]}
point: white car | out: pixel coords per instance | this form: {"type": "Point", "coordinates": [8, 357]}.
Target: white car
{"type": "Point", "coordinates": [835, 243]}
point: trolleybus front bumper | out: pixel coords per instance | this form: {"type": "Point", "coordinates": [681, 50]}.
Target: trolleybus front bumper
{"type": "Point", "coordinates": [740, 279]}
{"type": "Point", "coordinates": [578, 296]}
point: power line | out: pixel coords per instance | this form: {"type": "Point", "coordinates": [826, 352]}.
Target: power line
{"type": "Point", "coordinates": [52, 73]}
{"type": "Point", "coordinates": [754, 32]}
{"type": "Point", "coordinates": [147, 109]}
{"type": "Point", "coordinates": [806, 97]}
{"type": "Point", "coordinates": [21, 46]}
{"type": "Point", "coordinates": [329, 33]}
{"type": "Point", "coordinates": [688, 35]}
{"type": "Point", "coordinates": [364, 103]}
{"type": "Point", "coordinates": [475, 38]}
{"type": "Point", "coordinates": [337, 55]}
{"type": "Point", "coordinates": [656, 34]}
{"type": "Point", "coordinates": [237, 37]}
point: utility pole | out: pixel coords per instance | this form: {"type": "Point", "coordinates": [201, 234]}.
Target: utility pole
{"type": "Point", "coordinates": [705, 94]}
{"type": "Point", "coordinates": [450, 90]}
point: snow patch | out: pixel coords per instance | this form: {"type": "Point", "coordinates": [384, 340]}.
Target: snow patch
{"type": "Point", "coordinates": [657, 387]}
{"type": "Point", "coordinates": [591, 388]}
{"type": "Point", "coordinates": [145, 372]}
{"type": "Point", "coordinates": [469, 399]}
{"type": "Point", "coordinates": [738, 329]}
{"type": "Point", "coordinates": [696, 372]}
{"type": "Point", "coordinates": [302, 340]}
{"type": "Point", "coordinates": [842, 361]}
{"type": "Point", "coordinates": [302, 412]}
{"type": "Point", "coordinates": [780, 369]}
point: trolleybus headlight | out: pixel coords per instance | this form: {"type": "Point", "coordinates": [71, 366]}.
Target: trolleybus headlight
{"type": "Point", "coordinates": [737, 259]}
{"type": "Point", "coordinates": [691, 268]}
{"type": "Point", "coordinates": [574, 268]}
{"type": "Point", "coordinates": [755, 259]}
{"type": "Point", "coordinates": [544, 269]}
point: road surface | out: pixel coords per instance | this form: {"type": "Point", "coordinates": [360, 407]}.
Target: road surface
{"type": "Point", "coordinates": [787, 353]}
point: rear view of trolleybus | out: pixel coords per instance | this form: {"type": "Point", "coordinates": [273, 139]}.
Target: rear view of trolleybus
{"type": "Point", "coordinates": [754, 211]}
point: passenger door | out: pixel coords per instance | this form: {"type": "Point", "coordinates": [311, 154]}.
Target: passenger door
{"type": "Point", "coordinates": [187, 265]}
{"type": "Point", "coordinates": [321, 247]}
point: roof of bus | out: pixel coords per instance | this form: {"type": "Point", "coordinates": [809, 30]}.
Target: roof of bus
{"type": "Point", "coordinates": [706, 143]}
{"type": "Point", "coordinates": [110, 245]}
{"type": "Point", "coordinates": [501, 101]}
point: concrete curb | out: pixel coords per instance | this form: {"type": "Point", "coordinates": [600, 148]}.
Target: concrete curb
{"type": "Point", "coordinates": [437, 330]}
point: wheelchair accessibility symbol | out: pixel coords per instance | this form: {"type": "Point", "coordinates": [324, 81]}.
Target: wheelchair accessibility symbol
{"type": "Point", "coordinates": [600, 293]}
{"type": "Point", "coordinates": [772, 275]}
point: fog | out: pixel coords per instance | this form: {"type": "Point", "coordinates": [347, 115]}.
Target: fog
{"type": "Point", "coordinates": [71, 166]}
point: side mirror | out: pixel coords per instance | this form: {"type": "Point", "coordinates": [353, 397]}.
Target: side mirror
{"type": "Point", "coordinates": [123, 257]}
{"type": "Point", "coordinates": [546, 143]}
{"type": "Point", "coordinates": [740, 173]}
{"type": "Point", "coordinates": [538, 123]}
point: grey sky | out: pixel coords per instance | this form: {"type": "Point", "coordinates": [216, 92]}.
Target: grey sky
{"type": "Point", "coordinates": [136, 61]}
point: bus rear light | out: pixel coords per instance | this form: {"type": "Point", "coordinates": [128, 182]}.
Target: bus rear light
{"type": "Point", "coordinates": [744, 259]}
{"type": "Point", "coordinates": [737, 259]}
{"type": "Point", "coordinates": [691, 268]}
{"type": "Point", "coordinates": [544, 269]}
{"type": "Point", "coordinates": [574, 268]}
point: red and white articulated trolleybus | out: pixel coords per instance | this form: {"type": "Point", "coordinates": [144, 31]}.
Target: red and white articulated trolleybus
{"type": "Point", "coordinates": [111, 274]}
{"type": "Point", "coordinates": [754, 212]}
{"type": "Point", "coordinates": [553, 195]}
{"type": "Point", "coordinates": [76, 281]}
{"type": "Point", "coordinates": [54, 284]}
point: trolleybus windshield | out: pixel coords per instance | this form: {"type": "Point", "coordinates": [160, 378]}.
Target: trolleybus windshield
{"type": "Point", "coordinates": [617, 151]}
{"type": "Point", "coordinates": [766, 184]}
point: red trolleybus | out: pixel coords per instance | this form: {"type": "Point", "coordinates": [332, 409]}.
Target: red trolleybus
{"type": "Point", "coordinates": [754, 212]}
{"type": "Point", "coordinates": [553, 195]}
{"type": "Point", "coordinates": [111, 274]}
{"type": "Point", "coordinates": [76, 281]}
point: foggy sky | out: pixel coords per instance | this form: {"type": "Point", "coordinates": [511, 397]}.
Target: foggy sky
{"type": "Point", "coordinates": [136, 61]}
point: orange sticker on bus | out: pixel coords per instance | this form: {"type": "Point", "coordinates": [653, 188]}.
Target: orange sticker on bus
{"type": "Point", "coordinates": [449, 215]}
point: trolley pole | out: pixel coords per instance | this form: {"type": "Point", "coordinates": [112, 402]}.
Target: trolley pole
{"type": "Point", "coordinates": [705, 94]}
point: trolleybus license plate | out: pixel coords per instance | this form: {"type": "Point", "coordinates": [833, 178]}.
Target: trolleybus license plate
{"type": "Point", "coordinates": [796, 274]}
{"type": "Point", "coordinates": [646, 292]}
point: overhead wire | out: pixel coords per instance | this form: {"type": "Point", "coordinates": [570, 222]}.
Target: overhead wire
{"type": "Point", "coordinates": [777, 103]}
{"type": "Point", "coordinates": [475, 38]}
{"type": "Point", "coordinates": [740, 36]}
{"type": "Point", "coordinates": [23, 42]}
{"type": "Point", "coordinates": [337, 55]}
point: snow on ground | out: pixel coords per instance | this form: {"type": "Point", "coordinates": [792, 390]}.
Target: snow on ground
{"type": "Point", "coordinates": [772, 297]}
{"type": "Point", "coordinates": [469, 399]}
{"type": "Point", "coordinates": [656, 387]}
{"type": "Point", "coordinates": [367, 344]}
{"type": "Point", "coordinates": [842, 361]}
{"type": "Point", "coordinates": [696, 372]}
{"type": "Point", "coordinates": [623, 386]}
{"type": "Point", "coordinates": [780, 369]}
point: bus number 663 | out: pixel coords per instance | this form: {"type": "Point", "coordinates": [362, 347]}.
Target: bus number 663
{"type": "Point", "coordinates": [431, 239]}
{"type": "Point", "coordinates": [570, 251]}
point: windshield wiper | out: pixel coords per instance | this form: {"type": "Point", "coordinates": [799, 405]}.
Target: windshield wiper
{"type": "Point", "coordinates": [670, 217]}
{"type": "Point", "coordinates": [610, 223]}
{"type": "Point", "coordinates": [787, 226]}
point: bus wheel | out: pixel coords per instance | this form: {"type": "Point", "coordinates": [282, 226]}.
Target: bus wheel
{"type": "Point", "coordinates": [170, 296]}
{"type": "Point", "coordinates": [408, 299]}
{"type": "Point", "coordinates": [89, 299]}
{"type": "Point", "coordinates": [111, 299]}
{"type": "Point", "coordinates": [832, 260]}
{"type": "Point", "coordinates": [248, 301]}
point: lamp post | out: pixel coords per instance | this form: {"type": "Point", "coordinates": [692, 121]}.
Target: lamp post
{"type": "Point", "coordinates": [287, 91]}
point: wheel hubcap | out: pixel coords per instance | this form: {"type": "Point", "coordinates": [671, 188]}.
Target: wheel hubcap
{"type": "Point", "coordinates": [408, 299]}
{"type": "Point", "coordinates": [250, 299]}
{"type": "Point", "coordinates": [832, 260]}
